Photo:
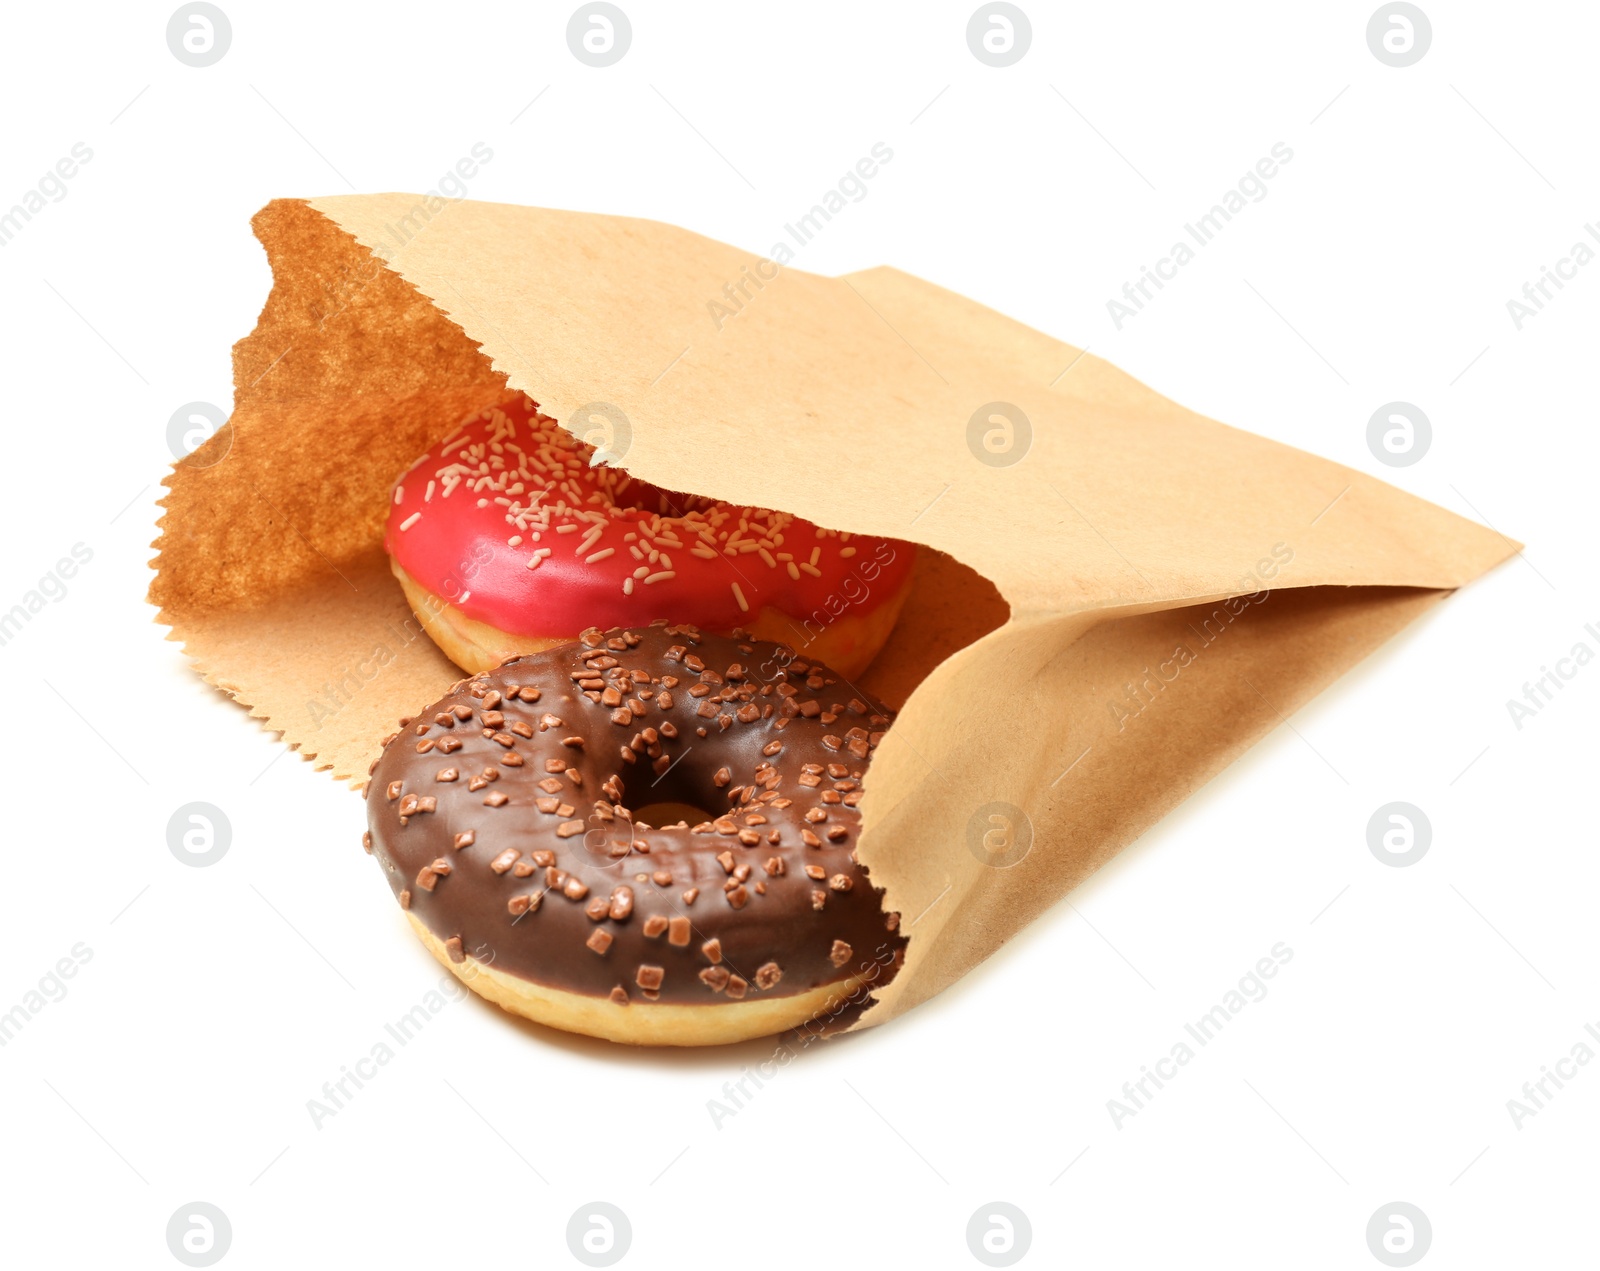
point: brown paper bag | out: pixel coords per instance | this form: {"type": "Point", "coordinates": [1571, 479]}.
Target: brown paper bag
{"type": "Point", "coordinates": [1097, 627]}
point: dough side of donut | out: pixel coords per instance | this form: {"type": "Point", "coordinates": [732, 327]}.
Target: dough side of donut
{"type": "Point", "coordinates": [717, 1023]}
{"type": "Point", "coordinates": [847, 645]}
{"type": "Point", "coordinates": [474, 646]}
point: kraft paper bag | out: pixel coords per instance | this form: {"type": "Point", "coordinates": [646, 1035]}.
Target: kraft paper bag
{"type": "Point", "coordinates": [1114, 596]}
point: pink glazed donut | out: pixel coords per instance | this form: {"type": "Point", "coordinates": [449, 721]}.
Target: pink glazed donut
{"type": "Point", "coordinates": [510, 537]}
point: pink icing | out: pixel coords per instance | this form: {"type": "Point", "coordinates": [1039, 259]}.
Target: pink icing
{"type": "Point", "coordinates": [612, 550]}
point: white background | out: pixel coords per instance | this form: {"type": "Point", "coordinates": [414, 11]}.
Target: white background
{"type": "Point", "coordinates": [1418, 1001]}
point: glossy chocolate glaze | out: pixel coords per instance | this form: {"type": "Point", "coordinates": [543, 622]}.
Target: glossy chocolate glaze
{"type": "Point", "coordinates": [773, 748]}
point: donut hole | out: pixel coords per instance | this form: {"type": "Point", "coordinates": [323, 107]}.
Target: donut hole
{"type": "Point", "coordinates": [628, 493]}
{"type": "Point", "coordinates": [693, 789]}
{"type": "Point", "coordinates": [671, 811]}
{"type": "Point", "coordinates": [619, 489]}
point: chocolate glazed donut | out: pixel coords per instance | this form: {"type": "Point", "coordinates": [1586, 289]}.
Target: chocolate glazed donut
{"type": "Point", "coordinates": [502, 817]}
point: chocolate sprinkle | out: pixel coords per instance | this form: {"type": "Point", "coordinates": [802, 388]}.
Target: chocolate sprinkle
{"type": "Point", "coordinates": [564, 783]}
